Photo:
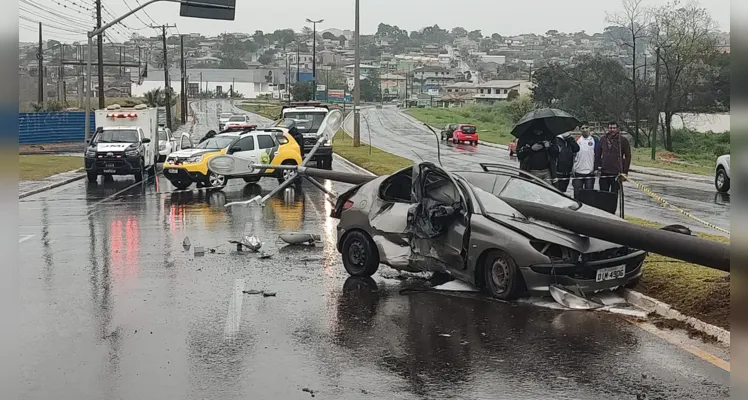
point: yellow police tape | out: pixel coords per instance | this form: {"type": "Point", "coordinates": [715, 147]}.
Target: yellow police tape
{"type": "Point", "coordinates": [666, 204]}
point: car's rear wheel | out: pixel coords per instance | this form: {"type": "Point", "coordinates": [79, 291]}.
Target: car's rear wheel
{"type": "Point", "coordinates": [215, 181]}
{"type": "Point", "coordinates": [722, 181]}
{"type": "Point", "coordinates": [360, 254]}
{"type": "Point", "coordinates": [181, 184]}
{"type": "Point", "coordinates": [501, 276]}
{"type": "Point", "coordinates": [141, 172]}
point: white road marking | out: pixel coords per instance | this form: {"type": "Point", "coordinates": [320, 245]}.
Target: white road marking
{"type": "Point", "coordinates": [234, 315]}
{"type": "Point", "coordinates": [25, 238]}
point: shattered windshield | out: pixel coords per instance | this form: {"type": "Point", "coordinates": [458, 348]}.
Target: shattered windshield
{"type": "Point", "coordinates": [218, 142]}
{"type": "Point", "coordinates": [118, 136]}
{"type": "Point", "coordinates": [162, 135]}
{"type": "Point", "coordinates": [237, 118]}
{"type": "Point", "coordinates": [306, 122]}
{"type": "Point", "coordinates": [520, 189]}
{"type": "Point", "coordinates": [226, 115]}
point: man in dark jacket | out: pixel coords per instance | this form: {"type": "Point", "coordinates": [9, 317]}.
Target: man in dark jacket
{"type": "Point", "coordinates": [612, 158]}
{"type": "Point", "coordinates": [567, 149]}
{"type": "Point", "coordinates": [208, 135]}
{"type": "Point", "coordinates": [536, 154]}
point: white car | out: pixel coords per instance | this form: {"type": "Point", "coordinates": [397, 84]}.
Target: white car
{"type": "Point", "coordinates": [236, 120]}
{"type": "Point", "coordinates": [223, 119]}
{"type": "Point", "coordinates": [168, 143]}
{"type": "Point", "coordinates": [722, 174]}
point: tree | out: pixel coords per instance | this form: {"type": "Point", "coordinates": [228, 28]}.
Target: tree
{"type": "Point", "coordinates": [232, 63]}
{"type": "Point", "coordinates": [259, 38]}
{"type": "Point", "coordinates": [283, 37]}
{"type": "Point", "coordinates": [328, 36]}
{"type": "Point", "coordinates": [519, 107]}
{"type": "Point", "coordinates": [370, 87]}
{"type": "Point", "coordinates": [302, 91]}
{"type": "Point", "coordinates": [342, 39]}
{"type": "Point", "coordinates": [306, 31]}
{"type": "Point", "coordinates": [267, 57]}
{"type": "Point", "coordinates": [685, 37]}
{"type": "Point", "coordinates": [459, 32]}
{"type": "Point", "coordinates": [475, 35]}
{"type": "Point", "coordinates": [551, 33]}
{"type": "Point", "coordinates": [157, 97]}
{"type": "Point", "coordinates": [497, 38]}
{"type": "Point", "coordinates": [513, 94]}
{"type": "Point", "coordinates": [634, 21]}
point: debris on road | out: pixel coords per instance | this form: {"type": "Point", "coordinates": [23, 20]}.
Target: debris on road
{"type": "Point", "coordinates": [265, 256]}
{"type": "Point", "coordinates": [310, 391]}
{"type": "Point", "coordinates": [300, 238]}
{"type": "Point", "coordinates": [251, 243]}
{"type": "Point", "coordinates": [199, 251]}
{"type": "Point", "coordinates": [445, 335]}
{"type": "Point", "coordinates": [268, 294]}
{"type": "Point", "coordinates": [252, 291]}
{"type": "Point", "coordinates": [186, 243]}
{"type": "Point", "coordinates": [456, 286]}
{"type": "Point", "coordinates": [572, 300]}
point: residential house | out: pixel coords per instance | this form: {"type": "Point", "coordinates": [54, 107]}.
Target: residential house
{"type": "Point", "coordinates": [364, 69]}
{"type": "Point", "coordinates": [498, 90]}
{"type": "Point", "coordinates": [465, 43]}
{"type": "Point", "coordinates": [249, 82]}
{"type": "Point", "coordinates": [393, 86]}
{"type": "Point", "coordinates": [304, 60]}
{"type": "Point", "coordinates": [432, 50]}
{"type": "Point", "coordinates": [329, 57]}
{"type": "Point", "coordinates": [202, 61]}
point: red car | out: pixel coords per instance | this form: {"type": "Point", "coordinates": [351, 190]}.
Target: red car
{"type": "Point", "coordinates": [465, 133]}
{"type": "Point", "coordinates": [513, 148]}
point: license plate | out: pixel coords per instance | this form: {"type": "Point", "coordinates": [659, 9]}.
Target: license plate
{"type": "Point", "coordinates": [609, 274]}
{"type": "Point", "coordinates": [110, 171]}
{"type": "Point", "coordinates": [110, 165]}
{"type": "Point", "coordinates": [172, 170]}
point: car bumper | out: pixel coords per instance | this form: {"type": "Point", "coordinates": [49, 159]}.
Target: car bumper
{"type": "Point", "coordinates": [322, 152]}
{"type": "Point", "coordinates": [538, 277]}
{"type": "Point", "coordinates": [467, 138]}
{"type": "Point", "coordinates": [118, 166]}
{"type": "Point", "coordinates": [173, 173]}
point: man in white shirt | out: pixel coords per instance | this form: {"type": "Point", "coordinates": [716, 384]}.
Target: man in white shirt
{"type": "Point", "coordinates": [584, 161]}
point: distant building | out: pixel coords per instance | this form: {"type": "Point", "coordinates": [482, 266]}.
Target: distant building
{"type": "Point", "coordinates": [433, 78]}
{"type": "Point", "coordinates": [249, 82]}
{"type": "Point", "coordinates": [498, 90]}
{"type": "Point", "coordinates": [365, 69]}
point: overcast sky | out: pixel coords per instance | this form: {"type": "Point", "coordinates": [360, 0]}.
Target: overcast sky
{"type": "Point", "coordinates": [504, 17]}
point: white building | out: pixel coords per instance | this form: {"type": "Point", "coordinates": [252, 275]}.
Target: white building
{"type": "Point", "coordinates": [249, 82]}
{"type": "Point", "coordinates": [492, 91]}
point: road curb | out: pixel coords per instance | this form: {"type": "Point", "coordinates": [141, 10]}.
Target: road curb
{"type": "Point", "coordinates": [352, 165]}
{"type": "Point", "coordinates": [51, 186]}
{"type": "Point", "coordinates": [665, 310]}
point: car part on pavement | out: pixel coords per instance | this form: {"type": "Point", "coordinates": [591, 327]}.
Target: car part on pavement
{"type": "Point", "coordinates": [299, 238]}
{"type": "Point", "coordinates": [251, 242]}
{"type": "Point", "coordinates": [186, 243]}
{"type": "Point", "coordinates": [569, 299]}
{"type": "Point", "coordinates": [199, 251]}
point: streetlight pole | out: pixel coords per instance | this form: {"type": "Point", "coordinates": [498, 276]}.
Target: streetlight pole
{"type": "Point", "coordinates": [314, 55]}
{"type": "Point", "coordinates": [357, 84]}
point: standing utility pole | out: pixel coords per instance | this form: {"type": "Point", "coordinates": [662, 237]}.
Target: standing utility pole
{"type": "Point", "coordinates": [40, 57]}
{"type": "Point", "coordinates": [298, 71]}
{"type": "Point", "coordinates": [100, 50]}
{"type": "Point", "coordinates": [167, 87]}
{"type": "Point", "coordinates": [656, 119]}
{"type": "Point", "coordinates": [357, 84]}
{"type": "Point", "coordinates": [183, 96]}
{"type": "Point", "coordinates": [314, 55]}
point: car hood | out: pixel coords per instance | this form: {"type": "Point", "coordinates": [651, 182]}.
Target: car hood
{"type": "Point", "coordinates": [101, 147]}
{"type": "Point", "coordinates": [547, 232]}
{"type": "Point", "coordinates": [192, 152]}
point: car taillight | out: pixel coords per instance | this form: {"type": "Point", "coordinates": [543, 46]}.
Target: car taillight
{"type": "Point", "coordinates": [348, 204]}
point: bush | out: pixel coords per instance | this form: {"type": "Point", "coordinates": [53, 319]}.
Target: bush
{"type": "Point", "coordinates": [700, 144]}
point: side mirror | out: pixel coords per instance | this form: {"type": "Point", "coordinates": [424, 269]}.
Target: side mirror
{"type": "Point", "coordinates": [88, 141]}
{"type": "Point", "coordinates": [146, 140]}
{"type": "Point", "coordinates": [235, 149]}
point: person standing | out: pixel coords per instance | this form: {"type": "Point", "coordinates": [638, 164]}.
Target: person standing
{"type": "Point", "coordinates": [567, 149]}
{"type": "Point", "coordinates": [584, 161]}
{"type": "Point", "coordinates": [612, 158]}
{"type": "Point", "coordinates": [536, 154]}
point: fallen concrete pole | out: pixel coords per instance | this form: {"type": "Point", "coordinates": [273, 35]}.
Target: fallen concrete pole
{"type": "Point", "coordinates": [682, 247]}
{"type": "Point", "coordinates": [338, 176]}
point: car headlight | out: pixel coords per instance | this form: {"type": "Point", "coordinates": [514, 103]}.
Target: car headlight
{"type": "Point", "coordinates": [133, 152]}
{"type": "Point", "coordinates": [327, 143]}
{"type": "Point", "coordinates": [162, 146]}
{"type": "Point", "coordinates": [90, 152]}
{"type": "Point", "coordinates": [195, 159]}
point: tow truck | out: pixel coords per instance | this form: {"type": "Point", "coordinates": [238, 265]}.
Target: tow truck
{"type": "Point", "coordinates": [124, 143]}
{"type": "Point", "coordinates": [308, 117]}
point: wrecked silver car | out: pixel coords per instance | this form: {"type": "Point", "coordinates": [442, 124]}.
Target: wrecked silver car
{"type": "Point", "coordinates": [423, 218]}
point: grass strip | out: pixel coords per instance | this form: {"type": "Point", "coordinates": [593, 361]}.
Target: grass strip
{"type": "Point", "coordinates": [37, 167]}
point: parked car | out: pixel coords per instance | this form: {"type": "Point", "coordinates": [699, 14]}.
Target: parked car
{"type": "Point", "coordinates": [465, 133]}
{"type": "Point", "coordinates": [236, 119]}
{"type": "Point", "coordinates": [448, 130]}
{"type": "Point", "coordinates": [722, 174]}
{"type": "Point", "coordinates": [513, 148]}
{"type": "Point", "coordinates": [423, 218]}
{"type": "Point", "coordinates": [223, 118]}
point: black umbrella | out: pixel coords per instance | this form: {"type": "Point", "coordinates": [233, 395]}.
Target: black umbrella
{"type": "Point", "coordinates": [554, 122]}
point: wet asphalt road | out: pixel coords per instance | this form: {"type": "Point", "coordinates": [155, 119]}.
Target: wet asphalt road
{"type": "Point", "coordinates": [402, 135]}
{"type": "Point", "coordinates": [114, 308]}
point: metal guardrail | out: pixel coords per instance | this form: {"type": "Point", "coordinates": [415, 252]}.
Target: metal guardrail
{"type": "Point", "coordinates": [52, 127]}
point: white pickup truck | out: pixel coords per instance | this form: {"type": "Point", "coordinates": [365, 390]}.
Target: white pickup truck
{"type": "Point", "coordinates": [124, 142]}
{"type": "Point", "coordinates": [722, 174]}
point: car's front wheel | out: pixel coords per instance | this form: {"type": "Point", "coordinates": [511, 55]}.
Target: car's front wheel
{"type": "Point", "coordinates": [360, 254]}
{"type": "Point", "coordinates": [252, 179]}
{"type": "Point", "coordinates": [286, 174]}
{"type": "Point", "coordinates": [722, 181]}
{"type": "Point", "coordinates": [181, 184]}
{"type": "Point", "coordinates": [92, 176]}
{"type": "Point", "coordinates": [501, 276]}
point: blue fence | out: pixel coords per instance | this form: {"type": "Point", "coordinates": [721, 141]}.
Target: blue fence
{"type": "Point", "coordinates": [52, 127]}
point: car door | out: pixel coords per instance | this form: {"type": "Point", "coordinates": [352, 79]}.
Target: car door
{"type": "Point", "coordinates": [267, 146]}
{"type": "Point", "coordinates": [246, 148]}
{"type": "Point", "coordinates": [438, 220]}
{"type": "Point", "coordinates": [172, 140]}
{"type": "Point", "coordinates": [185, 142]}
